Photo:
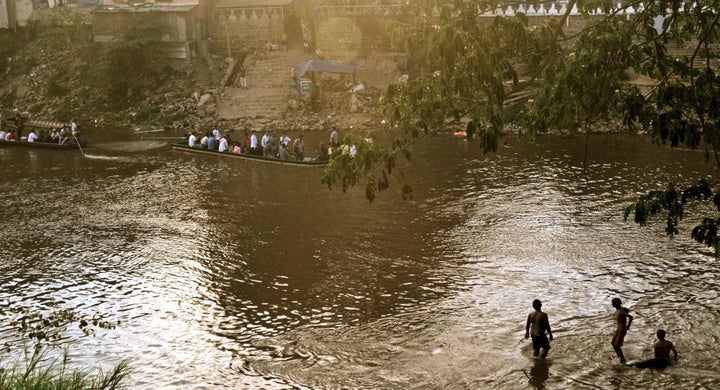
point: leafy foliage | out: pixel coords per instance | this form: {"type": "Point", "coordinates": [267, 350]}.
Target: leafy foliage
{"type": "Point", "coordinates": [671, 201]}
{"type": "Point", "coordinates": [469, 71]}
{"type": "Point", "coordinates": [358, 159]}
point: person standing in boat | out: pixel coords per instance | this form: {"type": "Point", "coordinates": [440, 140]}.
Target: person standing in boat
{"type": "Point", "coordinates": [254, 144]}
{"type": "Point", "coordinates": [63, 134]}
{"type": "Point", "coordinates": [299, 148]}
{"type": "Point", "coordinates": [264, 143]}
{"type": "Point", "coordinates": [223, 145]}
{"type": "Point", "coordinates": [272, 145]}
{"type": "Point", "coordinates": [212, 144]}
{"type": "Point", "coordinates": [284, 152]}
{"type": "Point", "coordinates": [19, 126]}
{"type": "Point", "coordinates": [192, 139]}
{"type": "Point", "coordinates": [334, 138]}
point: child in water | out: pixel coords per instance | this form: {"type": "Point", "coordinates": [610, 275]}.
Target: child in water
{"type": "Point", "coordinates": [663, 347]}
{"type": "Point", "coordinates": [536, 326]}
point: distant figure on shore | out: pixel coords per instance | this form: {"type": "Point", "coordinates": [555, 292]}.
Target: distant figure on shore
{"type": "Point", "coordinates": [623, 319]}
{"type": "Point", "coordinates": [243, 79]}
{"type": "Point", "coordinates": [537, 325]}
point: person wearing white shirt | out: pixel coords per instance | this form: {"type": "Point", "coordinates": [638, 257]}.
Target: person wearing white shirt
{"type": "Point", "coordinates": [223, 145]}
{"type": "Point", "coordinates": [192, 139]}
{"type": "Point", "coordinates": [216, 134]}
{"type": "Point", "coordinates": [73, 128]}
{"type": "Point", "coordinates": [253, 142]}
{"type": "Point", "coordinates": [264, 144]}
{"type": "Point", "coordinates": [32, 137]}
{"type": "Point", "coordinates": [2, 135]}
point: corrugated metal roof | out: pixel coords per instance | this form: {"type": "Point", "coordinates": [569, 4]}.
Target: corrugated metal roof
{"type": "Point", "coordinates": [157, 7]}
{"type": "Point", "coordinates": [229, 4]}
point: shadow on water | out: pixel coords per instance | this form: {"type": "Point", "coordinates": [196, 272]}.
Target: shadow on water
{"type": "Point", "coordinates": [539, 373]}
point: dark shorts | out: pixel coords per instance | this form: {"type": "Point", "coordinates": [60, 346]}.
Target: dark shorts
{"type": "Point", "coordinates": [619, 337]}
{"type": "Point", "coordinates": [540, 342]}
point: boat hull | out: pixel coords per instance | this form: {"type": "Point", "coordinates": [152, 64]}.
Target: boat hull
{"type": "Point", "coordinates": [250, 157]}
{"type": "Point", "coordinates": [42, 145]}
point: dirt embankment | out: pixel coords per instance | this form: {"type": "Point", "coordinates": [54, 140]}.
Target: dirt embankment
{"type": "Point", "coordinates": [50, 86]}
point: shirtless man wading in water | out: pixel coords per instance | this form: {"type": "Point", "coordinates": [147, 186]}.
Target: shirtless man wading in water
{"type": "Point", "coordinates": [537, 325]}
{"type": "Point", "coordinates": [623, 319]}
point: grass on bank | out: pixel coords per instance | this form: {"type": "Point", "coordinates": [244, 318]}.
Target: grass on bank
{"type": "Point", "coordinates": [39, 372]}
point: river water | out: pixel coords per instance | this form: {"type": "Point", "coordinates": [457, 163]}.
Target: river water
{"type": "Point", "coordinates": [212, 274]}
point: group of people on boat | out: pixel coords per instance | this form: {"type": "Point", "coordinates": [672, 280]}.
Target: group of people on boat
{"type": "Point", "coordinates": [62, 135]}
{"type": "Point", "coordinates": [269, 145]}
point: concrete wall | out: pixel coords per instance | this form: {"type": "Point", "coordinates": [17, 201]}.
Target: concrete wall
{"type": "Point", "coordinates": [247, 28]}
{"type": "Point", "coordinates": [4, 20]}
{"type": "Point", "coordinates": [23, 12]}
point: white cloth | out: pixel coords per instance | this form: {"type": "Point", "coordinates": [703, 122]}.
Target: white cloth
{"type": "Point", "coordinates": [191, 140]}
{"type": "Point", "coordinates": [223, 145]}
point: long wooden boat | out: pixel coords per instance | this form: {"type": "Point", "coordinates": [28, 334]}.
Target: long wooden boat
{"type": "Point", "coordinates": [44, 145]}
{"type": "Point", "coordinates": [308, 162]}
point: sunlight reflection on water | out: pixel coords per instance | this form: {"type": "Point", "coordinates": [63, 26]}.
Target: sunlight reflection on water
{"type": "Point", "coordinates": [233, 275]}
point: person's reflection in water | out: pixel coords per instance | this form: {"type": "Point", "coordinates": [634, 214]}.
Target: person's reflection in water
{"type": "Point", "coordinates": [539, 373]}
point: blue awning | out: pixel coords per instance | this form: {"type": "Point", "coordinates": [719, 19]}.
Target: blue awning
{"type": "Point", "coordinates": [320, 65]}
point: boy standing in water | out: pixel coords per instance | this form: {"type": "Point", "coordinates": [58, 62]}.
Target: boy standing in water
{"type": "Point", "coordinates": [623, 319]}
{"type": "Point", "coordinates": [536, 326]}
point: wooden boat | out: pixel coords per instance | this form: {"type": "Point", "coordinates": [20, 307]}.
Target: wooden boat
{"type": "Point", "coordinates": [308, 162]}
{"type": "Point", "coordinates": [69, 145]}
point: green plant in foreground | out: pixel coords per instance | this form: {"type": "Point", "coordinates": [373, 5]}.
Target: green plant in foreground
{"type": "Point", "coordinates": [41, 372]}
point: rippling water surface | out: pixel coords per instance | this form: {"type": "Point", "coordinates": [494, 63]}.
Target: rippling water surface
{"type": "Point", "coordinates": [229, 274]}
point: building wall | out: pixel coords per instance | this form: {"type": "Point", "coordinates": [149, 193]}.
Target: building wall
{"type": "Point", "coordinates": [4, 20]}
{"type": "Point", "coordinates": [247, 28]}
{"type": "Point", "coordinates": [23, 12]}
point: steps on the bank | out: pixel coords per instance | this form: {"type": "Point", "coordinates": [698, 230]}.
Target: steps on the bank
{"type": "Point", "coordinates": [268, 79]}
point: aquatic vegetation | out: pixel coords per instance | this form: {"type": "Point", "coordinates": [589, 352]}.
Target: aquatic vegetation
{"type": "Point", "coordinates": [37, 371]}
